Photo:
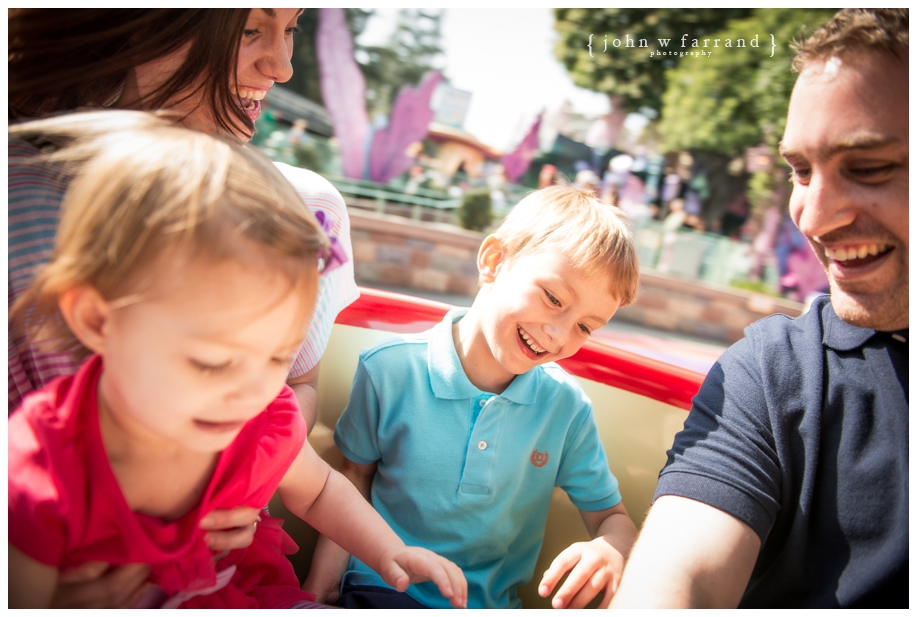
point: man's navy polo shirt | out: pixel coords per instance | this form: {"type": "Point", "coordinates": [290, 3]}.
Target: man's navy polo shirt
{"type": "Point", "coordinates": [468, 474]}
{"type": "Point", "coordinates": [801, 431]}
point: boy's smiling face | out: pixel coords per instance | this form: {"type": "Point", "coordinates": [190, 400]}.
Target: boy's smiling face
{"type": "Point", "coordinates": [532, 309]}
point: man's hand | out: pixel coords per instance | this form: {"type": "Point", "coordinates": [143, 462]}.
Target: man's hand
{"type": "Point", "coordinates": [410, 564]}
{"type": "Point", "coordinates": [99, 585]}
{"type": "Point", "coordinates": [230, 529]}
{"type": "Point", "coordinates": [595, 567]}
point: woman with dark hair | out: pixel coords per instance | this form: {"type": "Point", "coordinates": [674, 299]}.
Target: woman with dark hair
{"type": "Point", "coordinates": [210, 69]}
{"type": "Point", "coordinates": [64, 59]}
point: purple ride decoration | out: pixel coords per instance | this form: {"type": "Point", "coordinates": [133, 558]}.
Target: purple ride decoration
{"type": "Point", "coordinates": [408, 123]}
{"type": "Point", "coordinates": [517, 162]}
{"type": "Point", "coordinates": [343, 88]}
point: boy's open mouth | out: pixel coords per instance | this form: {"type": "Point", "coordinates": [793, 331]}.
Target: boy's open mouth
{"type": "Point", "coordinates": [529, 342]}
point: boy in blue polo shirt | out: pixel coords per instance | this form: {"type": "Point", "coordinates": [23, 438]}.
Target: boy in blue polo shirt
{"type": "Point", "coordinates": [459, 435]}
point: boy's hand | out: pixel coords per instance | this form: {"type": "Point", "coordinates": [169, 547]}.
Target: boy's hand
{"type": "Point", "coordinates": [411, 564]}
{"type": "Point", "coordinates": [595, 567]}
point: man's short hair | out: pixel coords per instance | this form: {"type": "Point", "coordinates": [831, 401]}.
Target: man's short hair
{"type": "Point", "coordinates": [855, 31]}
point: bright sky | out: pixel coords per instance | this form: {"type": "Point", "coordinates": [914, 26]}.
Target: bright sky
{"type": "Point", "coordinates": [505, 58]}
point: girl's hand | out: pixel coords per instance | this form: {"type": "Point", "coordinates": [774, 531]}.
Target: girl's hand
{"type": "Point", "coordinates": [230, 529]}
{"type": "Point", "coordinates": [411, 564]}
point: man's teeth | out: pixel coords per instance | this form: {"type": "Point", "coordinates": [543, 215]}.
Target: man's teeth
{"type": "Point", "coordinates": [251, 93]}
{"type": "Point", "coordinates": [529, 342]}
{"type": "Point", "coordinates": [855, 252]}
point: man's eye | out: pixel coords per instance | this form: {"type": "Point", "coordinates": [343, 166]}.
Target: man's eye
{"type": "Point", "coordinates": [293, 30]}
{"type": "Point", "coordinates": [800, 175]}
{"type": "Point", "coordinates": [872, 172]}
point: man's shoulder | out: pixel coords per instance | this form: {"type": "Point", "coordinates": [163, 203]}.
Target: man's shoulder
{"type": "Point", "coordinates": [779, 331]}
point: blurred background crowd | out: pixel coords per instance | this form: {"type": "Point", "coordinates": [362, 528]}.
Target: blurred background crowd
{"type": "Point", "coordinates": [685, 146]}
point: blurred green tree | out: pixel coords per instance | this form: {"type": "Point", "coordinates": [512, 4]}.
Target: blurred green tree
{"type": "Point", "coordinates": [305, 80]}
{"type": "Point", "coordinates": [475, 213]}
{"type": "Point", "coordinates": [414, 48]}
{"type": "Point", "coordinates": [630, 72]}
{"type": "Point", "coordinates": [736, 98]}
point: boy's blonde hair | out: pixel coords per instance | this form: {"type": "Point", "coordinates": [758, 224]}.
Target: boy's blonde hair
{"type": "Point", "coordinates": [145, 187]}
{"type": "Point", "coordinates": [592, 234]}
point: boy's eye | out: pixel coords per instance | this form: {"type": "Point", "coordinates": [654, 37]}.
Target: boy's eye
{"type": "Point", "coordinates": [585, 329]}
{"type": "Point", "coordinates": [210, 369]}
{"type": "Point", "coordinates": [551, 298]}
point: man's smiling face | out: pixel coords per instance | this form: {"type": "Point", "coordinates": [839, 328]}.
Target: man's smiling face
{"type": "Point", "coordinates": [847, 141]}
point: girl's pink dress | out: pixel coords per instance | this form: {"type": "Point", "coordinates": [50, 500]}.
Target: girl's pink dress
{"type": "Point", "coordinates": [66, 508]}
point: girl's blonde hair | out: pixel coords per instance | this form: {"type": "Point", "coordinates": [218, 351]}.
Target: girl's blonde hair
{"type": "Point", "coordinates": [593, 235]}
{"type": "Point", "coordinates": [145, 187]}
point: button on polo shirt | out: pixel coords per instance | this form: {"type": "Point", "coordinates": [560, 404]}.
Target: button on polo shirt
{"type": "Point", "coordinates": [465, 473]}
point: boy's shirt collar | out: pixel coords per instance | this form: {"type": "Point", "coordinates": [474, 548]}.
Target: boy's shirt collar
{"type": "Point", "coordinates": [447, 377]}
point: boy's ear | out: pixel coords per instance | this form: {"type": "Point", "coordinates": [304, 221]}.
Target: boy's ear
{"type": "Point", "coordinates": [86, 313]}
{"type": "Point", "coordinates": [490, 257]}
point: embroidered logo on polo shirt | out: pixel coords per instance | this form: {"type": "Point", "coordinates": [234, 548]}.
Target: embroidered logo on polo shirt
{"type": "Point", "coordinates": [539, 459]}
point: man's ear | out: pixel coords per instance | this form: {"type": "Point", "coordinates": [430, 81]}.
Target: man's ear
{"type": "Point", "coordinates": [87, 315]}
{"type": "Point", "coordinates": [490, 257]}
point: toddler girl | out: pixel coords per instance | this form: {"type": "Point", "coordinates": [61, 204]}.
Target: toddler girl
{"type": "Point", "coordinates": [188, 267]}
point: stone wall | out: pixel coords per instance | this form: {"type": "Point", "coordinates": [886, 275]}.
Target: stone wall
{"type": "Point", "coordinates": [392, 251]}
{"type": "Point", "coordinates": [397, 252]}
{"type": "Point", "coordinates": [700, 309]}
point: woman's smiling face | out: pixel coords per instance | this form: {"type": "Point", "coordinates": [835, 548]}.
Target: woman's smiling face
{"type": "Point", "coordinates": [264, 57]}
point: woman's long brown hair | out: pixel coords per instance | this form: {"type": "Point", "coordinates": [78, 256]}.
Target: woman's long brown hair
{"type": "Point", "coordinates": [64, 59]}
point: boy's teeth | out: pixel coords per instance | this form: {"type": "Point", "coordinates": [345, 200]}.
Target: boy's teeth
{"type": "Point", "coordinates": [529, 342]}
{"type": "Point", "coordinates": [859, 252]}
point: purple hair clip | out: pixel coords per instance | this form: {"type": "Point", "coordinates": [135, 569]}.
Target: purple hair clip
{"type": "Point", "coordinates": [334, 255]}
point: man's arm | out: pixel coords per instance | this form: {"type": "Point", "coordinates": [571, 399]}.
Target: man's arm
{"type": "Point", "coordinates": [688, 555]}
{"type": "Point", "coordinates": [329, 561]}
{"type": "Point", "coordinates": [595, 567]}
{"type": "Point", "coordinates": [305, 387]}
